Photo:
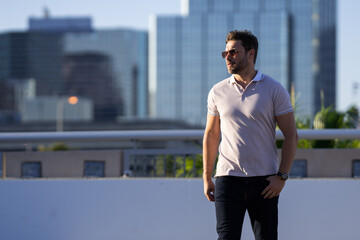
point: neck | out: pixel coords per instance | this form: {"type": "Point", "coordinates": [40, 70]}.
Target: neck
{"type": "Point", "coordinates": [245, 77]}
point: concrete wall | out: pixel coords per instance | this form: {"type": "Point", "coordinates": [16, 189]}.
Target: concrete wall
{"type": "Point", "coordinates": [320, 162]}
{"type": "Point", "coordinates": [329, 162]}
{"type": "Point", "coordinates": [65, 163]}
{"type": "Point", "coordinates": [156, 209]}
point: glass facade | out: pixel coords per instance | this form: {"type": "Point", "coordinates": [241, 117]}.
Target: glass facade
{"type": "Point", "coordinates": [24, 56]}
{"type": "Point", "coordinates": [60, 24]}
{"type": "Point", "coordinates": [296, 47]}
{"type": "Point", "coordinates": [121, 75]}
{"type": "Point", "coordinates": [108, 66]}
{"type": "Point", "coordinates": [44, 56]}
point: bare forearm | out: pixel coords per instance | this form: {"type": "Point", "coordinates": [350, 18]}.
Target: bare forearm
{"type": "Point", "coordinates": [288, 153]}
{"type": "Point", "coordinates": [210, 149]}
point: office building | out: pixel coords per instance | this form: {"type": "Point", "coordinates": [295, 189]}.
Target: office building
{"type": "Point", "coordinates": [29, 55]}
{"type": "Point", "coordinates": [65, 56]}
{"type": "Point", "coordinates": [56, 109]}
{"type": "Point", "coordinates": [69, 24]}
{"type": "Point", "coordinates": [296, 47]}
{"type": "Point", "coordinates": [36, 55]}
{"type": "Point", "coordinates": [112, 63]}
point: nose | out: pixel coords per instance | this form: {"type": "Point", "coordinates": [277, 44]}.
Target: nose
{"type": "Point", "coordinates": [227, 56]}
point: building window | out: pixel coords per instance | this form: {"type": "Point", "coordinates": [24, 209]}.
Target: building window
{"type": "Point", "coordinates": [31, 170]}
{"type": "Point", "coordinates": [94, 169]}
{"type": "Point", "coordinates": [299, 169]}
{"type": "Point", "coordinates": [356, 168]}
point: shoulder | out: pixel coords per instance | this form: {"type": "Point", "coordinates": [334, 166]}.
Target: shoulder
{"type": "Point", "coordinates": [272, 84]}
{"type": "Point", "coordinates": [270, 81]}
{"type": "Point", "coordinates": [223, 84]}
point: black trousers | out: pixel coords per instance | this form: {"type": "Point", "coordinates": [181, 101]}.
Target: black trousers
{"type": "Point", "coordinates": [236, 195]}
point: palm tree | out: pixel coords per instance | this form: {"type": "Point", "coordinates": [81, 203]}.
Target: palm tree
{"type": "Point", "coordinates": [331, 118]}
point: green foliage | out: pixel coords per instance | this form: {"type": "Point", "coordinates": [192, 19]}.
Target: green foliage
{"type": "Point", "coordinates": [57, 146]}
{"type": "Point", "coordinates": [192, 168]}
{"type": "Point", "coordinates": [329, 118]}
{"type": "Point", "coordinates": [179, 166]}
{"type": "Point", "coordinates": [351, 117]}
{"type": "Point", "coordinates": [324, 119]}
{"type": "Point", "coordinates": [164, 165]}
{"type": "Point", "coordinates": [347, 144]}
{"type": "Point", "coordinates": [303, 124]}
{"type": "Point", "coordinates": [304, 144]}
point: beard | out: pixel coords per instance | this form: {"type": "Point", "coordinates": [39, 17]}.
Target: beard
{"type": "Point", "coordinates": [236, 68]}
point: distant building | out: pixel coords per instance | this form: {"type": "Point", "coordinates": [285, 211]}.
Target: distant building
{"type": "Point", "coordinates": [124, 55]}
{"type": "Point", "coordinates": [51, 109]}
{"type": "Point", "coordinates": [297, 46]}
{"type": "Point", "coordinates": [36, 55]}
{"type": "Point", "coordinates": [13, 94]}
{"type": "Point", "coordinates": [89, 75]}
{"type": "Point", "coordinates": [68, 24]}
{"type": "Point", "coordinates": [65, 56]}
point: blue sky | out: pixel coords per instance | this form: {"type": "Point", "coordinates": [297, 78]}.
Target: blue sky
{"type": "Point", "coordinates": [14, 15]}
{"type": "Point", "coordinates": [348, 53]}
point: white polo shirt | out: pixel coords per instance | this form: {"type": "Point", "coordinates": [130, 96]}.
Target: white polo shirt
{"type": "Point", "coordinates": [247, 123]}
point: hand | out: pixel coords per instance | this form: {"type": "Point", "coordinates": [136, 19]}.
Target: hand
{"type": "Point", "coordinates": [274, 188]}
{"type": "Point", "coordinates": [209, 189]}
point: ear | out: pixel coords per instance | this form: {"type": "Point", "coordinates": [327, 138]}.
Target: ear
{"type": "Point", "coordinates": [251, 53]}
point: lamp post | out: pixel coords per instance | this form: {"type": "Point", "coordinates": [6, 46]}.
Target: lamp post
{"type": "Point", "coordinates": [60, 111]}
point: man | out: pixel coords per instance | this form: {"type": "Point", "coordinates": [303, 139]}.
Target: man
{"type": "Point", "coordinates": [244, 109]}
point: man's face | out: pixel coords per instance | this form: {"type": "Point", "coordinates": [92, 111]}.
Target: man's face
{"type": "Point", "coordinates": [235, 56]}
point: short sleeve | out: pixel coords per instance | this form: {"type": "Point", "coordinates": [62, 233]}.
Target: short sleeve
{"type": "Point", "coordinates": [211, 105]}
{"type": "Point", "coordinates": [282, 103]}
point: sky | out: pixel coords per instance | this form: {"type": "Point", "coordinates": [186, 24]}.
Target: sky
{"type": "Point", "coordinates": [109, 14]}
{"type": "Point", "coordinates": [14, 14]}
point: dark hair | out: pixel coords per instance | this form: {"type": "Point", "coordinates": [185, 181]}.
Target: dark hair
{"type": "Point", "coordinates": [249, 41]}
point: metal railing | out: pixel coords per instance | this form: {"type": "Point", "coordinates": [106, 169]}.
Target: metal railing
{"type": "Point", "coordinates": [160, 135]}
{"type": "Point", "coordinates": [94, 136]}
{"type": "Point", "coordinates": [155, 162]}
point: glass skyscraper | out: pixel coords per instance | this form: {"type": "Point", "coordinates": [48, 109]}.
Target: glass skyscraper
{"type": "Point", "coordinates": [122, 57]}
{"type": "Point", "coordinates": [296, 47]}
{"type": "Point", "coordinates": [66, 57]}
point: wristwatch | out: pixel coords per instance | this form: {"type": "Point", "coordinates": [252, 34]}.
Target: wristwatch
{"type": "Point", "coordinates": [283, 176]}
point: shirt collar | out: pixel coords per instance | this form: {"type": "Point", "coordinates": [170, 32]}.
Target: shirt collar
{"type": "Point", "coordinates": [258, 77]}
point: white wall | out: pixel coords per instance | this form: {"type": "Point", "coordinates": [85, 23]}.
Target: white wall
{"type": "Point", "coordinates": [156, 209]}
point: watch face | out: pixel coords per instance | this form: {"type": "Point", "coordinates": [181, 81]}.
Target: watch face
{"type": "Point", "coordinates": [283, 176]}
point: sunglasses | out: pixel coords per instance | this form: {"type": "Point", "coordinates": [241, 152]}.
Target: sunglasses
{"type": "Point", "coordinates": [232, 52]}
